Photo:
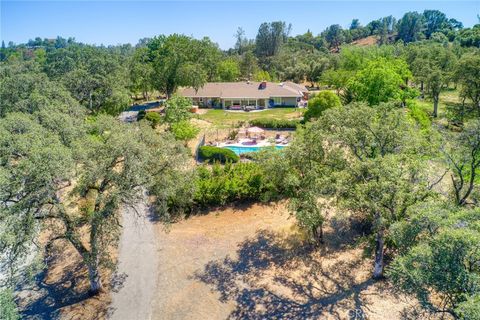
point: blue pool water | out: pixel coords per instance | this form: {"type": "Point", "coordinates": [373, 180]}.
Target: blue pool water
{"type": "Point", "coordinates": [240, 150]}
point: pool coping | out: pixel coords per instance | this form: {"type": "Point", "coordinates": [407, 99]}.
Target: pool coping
{"type": "Point", "coordinates": [253, 145]}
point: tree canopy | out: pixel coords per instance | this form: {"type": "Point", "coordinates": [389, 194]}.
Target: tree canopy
{"type": "Point", "coordinates": [321, 102]}
{"type": "Point", "coordinates": [180, 60]}
{"type": "Point", "coordinates": [270, 38]}
{"type": "Point", "coordinates": [379, 81]}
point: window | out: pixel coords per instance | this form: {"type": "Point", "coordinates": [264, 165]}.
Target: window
{"type": "Point", "coordinates": [277, 100]}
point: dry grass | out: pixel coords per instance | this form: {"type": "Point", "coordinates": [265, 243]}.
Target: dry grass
{"type": "Point", "coordinates": [243, 262]}
{"type": "Point", "coordinates": [251, 262]}
{"type": "Point", "coordinates": [61, 291]}
{"type": "Point", "coordinates": [368, 41]}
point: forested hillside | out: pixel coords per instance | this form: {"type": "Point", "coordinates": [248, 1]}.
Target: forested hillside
{"type": "Point", "coordinates": [104, 78]}
{"type": "Point", "coordinates": [391, 136]}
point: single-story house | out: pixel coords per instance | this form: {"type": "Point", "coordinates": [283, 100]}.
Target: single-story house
{"type": "Point", "coordinates": [238, 95]}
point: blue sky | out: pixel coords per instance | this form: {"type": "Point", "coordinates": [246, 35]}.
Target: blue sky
{"type": "Point", "coordinates": [113, 22]}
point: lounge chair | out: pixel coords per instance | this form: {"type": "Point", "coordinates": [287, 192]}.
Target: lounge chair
{"type": "Point", "coordinates": [250, 142]}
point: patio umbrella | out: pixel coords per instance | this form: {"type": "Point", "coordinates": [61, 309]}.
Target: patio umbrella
{"type": "Point", "coordinates": [255, 130]}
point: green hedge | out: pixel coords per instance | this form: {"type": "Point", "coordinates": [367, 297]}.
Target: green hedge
{"type": "Point", "coordinates": [220, 185]}
{"type": "Point", "coordinates": [275, 123]}
{"type": "Point", "coordinates": [217, 154]}
{"type": "Point", "coordinates": [154, 118]}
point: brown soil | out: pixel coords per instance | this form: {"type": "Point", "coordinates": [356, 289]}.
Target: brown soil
{"type": "Point", "coordinates": [368, 41]}
{"type": "Point", "coordinates": [243, 262]}
{"type": "Point", "coordinates": [251, 262]}
{"type": "Point", "coordinates": [62, 290]}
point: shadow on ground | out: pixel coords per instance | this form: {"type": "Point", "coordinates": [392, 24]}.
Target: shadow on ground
{"type": "Point", "coordinates": [237, 207]}
{"type": "Point", "coordinates": [61, 290]}
{"type": "Point", "coordinates": [46, 299]}
{"type": "Point", "coordinates": [276, 277]}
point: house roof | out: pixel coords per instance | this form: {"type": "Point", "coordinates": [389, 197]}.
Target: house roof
{"type": "Point", "coordinates": [297, 86]}
{"type": "Point", "coordinates": [251, 89]}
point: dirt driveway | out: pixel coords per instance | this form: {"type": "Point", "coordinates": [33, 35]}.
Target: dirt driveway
{"type": "Point", "coordinates": [134, 283]}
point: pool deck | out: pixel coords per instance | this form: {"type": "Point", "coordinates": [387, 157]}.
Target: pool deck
{"type": "Point", "coordinates": [247, 143]}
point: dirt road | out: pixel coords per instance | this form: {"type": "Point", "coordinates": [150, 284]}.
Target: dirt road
{"type": "Point", "coordinates": [135, 281]}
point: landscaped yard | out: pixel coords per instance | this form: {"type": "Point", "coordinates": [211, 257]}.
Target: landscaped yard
{"type": "Point", "coordinates": [225, 119]}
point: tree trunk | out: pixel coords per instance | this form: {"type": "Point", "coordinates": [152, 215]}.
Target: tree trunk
{"type": "Point", "coordinates": [90, 101]}
{"type": "Point", "coordinates": [379, 252]}
{"type": "Point", "coordinates": [94, 260]}
{"type": "Point", "coordinates": [94, 277]}
{"type": "Point", "coordinates": [462, 112]}
{"type": "Point", "coordinates": [90, 258]}
{"type": "Point", "coordinates": [318, 233]}
{"type": "Point", "coordinates": [471, 184]}
{"type": "Point", "coordinates": [435, 106]}
{"type": "Point", "coordinates": [422, 95]}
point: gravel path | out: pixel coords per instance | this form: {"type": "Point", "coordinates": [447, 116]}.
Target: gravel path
{"type": "Point", "coordinates": [137, 268]}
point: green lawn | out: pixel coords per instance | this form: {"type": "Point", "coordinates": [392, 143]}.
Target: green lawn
{"type": "Point", "coordinates": [447, 97]}
{"type": "Point", "coordinates": [224, 119]}
{"type": "Point", "coordinates": [221, 119]}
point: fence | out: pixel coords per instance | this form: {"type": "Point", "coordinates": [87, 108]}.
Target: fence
{"type": "Point", "coordinates": [200, 144]}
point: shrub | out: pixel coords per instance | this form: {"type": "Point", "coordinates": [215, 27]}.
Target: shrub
{"type": "Point", "coordinates": [178, 109]}
{"type": "Point", "coordinates": [419, 115]}
{"type": "Point", "coordinates": [232, 135]}
{"type": "Point", "coordinates": [321, 102]}
{"type": "Point", "coordinates": [141, 115]}
{"type": "Point", "coordinates": [223, 184]}
{"type": "Point", "coordinates": [8, 307]}
{"type": "Point", "coordinates": [469, 309]}
{"type": "Point", "coordinates": [275, 123]}
{"type": "Point", "coordinates": [154, 118]}
{"type": "Point", "coordinates": [217, 154]}
{"type": "Point", "coordinates": [262, 75]}
{"type": "Point", "coordinates": [184, 131]}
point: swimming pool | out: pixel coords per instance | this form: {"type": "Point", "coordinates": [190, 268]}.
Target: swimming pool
{"type": "Point", "coordinates": [245, 149]}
